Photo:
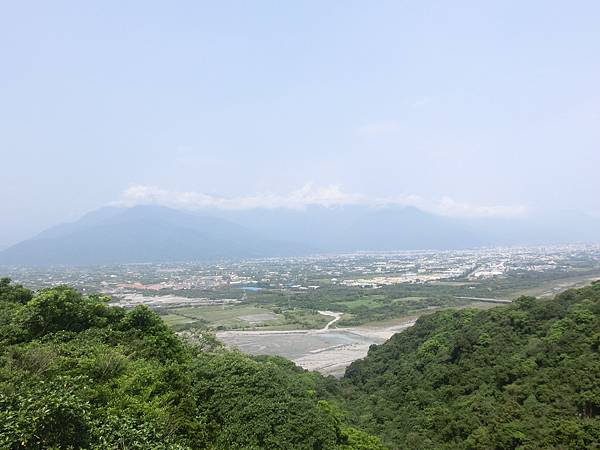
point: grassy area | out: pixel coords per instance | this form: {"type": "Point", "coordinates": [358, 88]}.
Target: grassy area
{"type": "Point", "coordinates": [230, 317]}
{"type": "Point", "coordinates": [306, 319]}
{"type": "Point", "coordinates": [407, 299]}
{"type": "Point", "coordinates": [244, 317]}
{"type": "Point", "coordinates": [369, 302]}
{"type": "Point", "coordinates": [218, 313]}
{"type": "Point", "coordinates": [552, 287]}
{"type": "Point", "coordinates": [174, 320]}
{"type": "Point", "coordinates": [279, 309]}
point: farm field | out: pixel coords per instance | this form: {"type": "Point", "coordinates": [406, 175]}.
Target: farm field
{"type": "Point", "coordinates": [242, 317]}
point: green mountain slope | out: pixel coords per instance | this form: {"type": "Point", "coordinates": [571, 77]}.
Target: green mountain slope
{"type": "Point", "coordinates": [75, 373]}
{"type": "Point", "coordinates": [520, 377]}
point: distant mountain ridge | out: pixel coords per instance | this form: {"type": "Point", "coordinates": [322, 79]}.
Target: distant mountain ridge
{"type": "Point", "coordinates": [352, 228]}
{"type": "Point", "coordinates": [143, 234]}
{"type": "Point", "coordinates": [160, 234]}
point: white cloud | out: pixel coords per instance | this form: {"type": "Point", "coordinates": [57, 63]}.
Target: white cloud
{"type": "Point", "coordinates": [448, 206]}
{"type": "Point", "coordinates": [308, 195]}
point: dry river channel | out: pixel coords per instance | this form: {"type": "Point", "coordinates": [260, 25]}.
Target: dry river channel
{"type": "Point", "coordinates": [327, 350]}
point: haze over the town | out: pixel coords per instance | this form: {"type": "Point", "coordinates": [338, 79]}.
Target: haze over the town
{"type": "Point", "coordinates": [458, 108]}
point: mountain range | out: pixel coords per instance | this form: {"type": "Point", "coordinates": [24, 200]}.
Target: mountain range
{"type": "Point", "coordinates": [161, 234]}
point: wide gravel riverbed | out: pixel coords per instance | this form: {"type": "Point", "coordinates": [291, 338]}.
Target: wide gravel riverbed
{"type": "Point", "coordinates": [329, 350]}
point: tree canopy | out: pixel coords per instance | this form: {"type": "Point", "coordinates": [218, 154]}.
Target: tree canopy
{"type": "Point", "coordinates": [525, 376]}
{"type": "Point", "coordinates": [77, 373]}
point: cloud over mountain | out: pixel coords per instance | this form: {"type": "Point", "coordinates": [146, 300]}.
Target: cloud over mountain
{"type": "Point", "coordinates": [310, 195]}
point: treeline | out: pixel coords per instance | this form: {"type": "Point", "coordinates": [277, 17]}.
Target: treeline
{"type": "Point", "coordinates": [76, 373]}
{"type": "Point", "coordinates": [525, 376]}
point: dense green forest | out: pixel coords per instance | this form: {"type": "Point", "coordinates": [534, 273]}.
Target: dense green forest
{"type": "Point", "coordinates": [525, 376]}
{"type": "Point", "coordinates": [76, 373]}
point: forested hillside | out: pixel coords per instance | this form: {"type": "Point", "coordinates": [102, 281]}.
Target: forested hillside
{"type": "Point", "coordinates": [520, 377]}
{"type": "Point", "coordinates": [75, 373]}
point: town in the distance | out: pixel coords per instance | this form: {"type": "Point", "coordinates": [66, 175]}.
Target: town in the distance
{"type": "Point", "coordinates": [324, 311]}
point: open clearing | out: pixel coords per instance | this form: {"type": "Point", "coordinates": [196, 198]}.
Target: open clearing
{"type": "Point", "coordinates": [227, 316]}
{"type": "Point", "coordinates": [328, 351]}
{"type": "Point", "coordinates": [174, 319]}
{"type": "Point", "coordinates": [368, 302]}
{"type": "Point", "coordinates": [258, 318]}
{"type": "Point", "coordinates": [243, 317]}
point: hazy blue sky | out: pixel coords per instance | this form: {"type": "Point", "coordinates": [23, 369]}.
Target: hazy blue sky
{"type": "Point", "coordinates": [464, 107]}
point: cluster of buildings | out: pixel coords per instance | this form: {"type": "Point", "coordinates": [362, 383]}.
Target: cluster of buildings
{"type": "Point", "coordinates": [362, 269]}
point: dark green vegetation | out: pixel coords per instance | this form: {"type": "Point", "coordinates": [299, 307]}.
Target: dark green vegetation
{"type": "Point", "coordinates": [525, 376]}
{"type": "Point", "coordinates": [363, 305]}
{"type": "Point", "coordinates": [298, 309]}
{"type": "Point", "coordinates": [75, 373]}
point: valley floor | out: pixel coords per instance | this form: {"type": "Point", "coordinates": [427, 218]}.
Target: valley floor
{"type": "Point", "coordinates": [327, 350]}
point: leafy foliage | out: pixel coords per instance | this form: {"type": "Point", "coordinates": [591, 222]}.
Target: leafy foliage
{"type": "Point", "coordinates": [525, 376]}
{"type": "Point", "coordinates": [76, 373]}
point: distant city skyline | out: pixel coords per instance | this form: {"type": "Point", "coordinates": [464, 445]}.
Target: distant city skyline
{"type": "Point", "coordinates": [463, 109]}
